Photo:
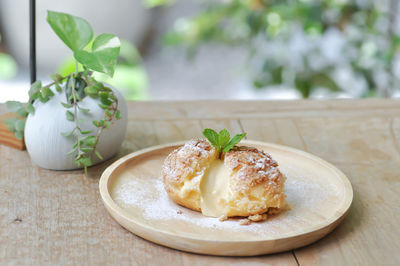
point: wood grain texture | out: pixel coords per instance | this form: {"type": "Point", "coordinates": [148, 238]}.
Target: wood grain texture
{"type": "Point", "coordinates": [49, 217]}
{"type": "Point", "coordinates": [7, 137]}
{"type": "Point", "coordinates": [366, 149]}
{"type": "Point", "coordinates": [131, 192]}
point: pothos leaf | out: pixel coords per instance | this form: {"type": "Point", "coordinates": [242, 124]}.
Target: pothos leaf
{"type": "Point", "coordinates": [75, 32]}
{"type": "Point", "coordinates": [104, 54]}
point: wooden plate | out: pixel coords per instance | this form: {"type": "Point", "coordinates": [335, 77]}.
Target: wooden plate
{"type": "Point", "coordinates": [319, 195]}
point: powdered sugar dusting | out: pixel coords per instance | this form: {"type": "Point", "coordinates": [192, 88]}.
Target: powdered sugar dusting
{"type": "Point", "coordinates": [149, 196]}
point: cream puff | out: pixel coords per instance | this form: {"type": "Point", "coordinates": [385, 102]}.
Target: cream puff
{"type": "Point", "coordinates": [244, 182]}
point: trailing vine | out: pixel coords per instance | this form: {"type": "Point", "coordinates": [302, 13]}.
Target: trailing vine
{"type": "Point", "coordinates": [85, 143]}
{"type": "Point", "coordinates": [102, 56]}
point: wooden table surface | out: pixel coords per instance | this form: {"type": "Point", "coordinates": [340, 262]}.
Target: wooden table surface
{"type": "Point", "coordinates": [57, 217]}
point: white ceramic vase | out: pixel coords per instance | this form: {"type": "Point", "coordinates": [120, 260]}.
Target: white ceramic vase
{"type": "Point", "coordinates": [46, 145]}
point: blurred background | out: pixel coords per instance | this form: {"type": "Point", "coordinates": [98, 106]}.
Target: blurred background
{"type": "Point", "coordinates": [220, 49]}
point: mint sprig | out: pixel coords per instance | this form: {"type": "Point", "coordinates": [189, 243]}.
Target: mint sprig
{"type": "Point", "coordinates": [222, 141]}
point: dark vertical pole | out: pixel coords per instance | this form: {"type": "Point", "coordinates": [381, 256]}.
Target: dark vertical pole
{"type": "Point", "coordinates": [32, 39]}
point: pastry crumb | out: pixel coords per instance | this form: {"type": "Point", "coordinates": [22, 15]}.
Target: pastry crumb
{"type": "Point", "coordinates": [286, 207]}
{"type": "Point", "coordinates": [179, 212]}
{"type": "Point", "coordinates": [273, 211]}
{"type": "Point", "coordinates": [223, 218]}
{"type": "Point", "coordinates": [258, 217]}
{"type": "Point", "coordinates": [244, 222]}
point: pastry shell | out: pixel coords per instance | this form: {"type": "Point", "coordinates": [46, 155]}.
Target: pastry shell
{"type": "Point", "coordinates": [255, 182]}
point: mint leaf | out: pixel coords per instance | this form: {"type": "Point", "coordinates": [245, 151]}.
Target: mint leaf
{"type": "Point", "coordinates": [223, 137]}
{"type": "Point", "coordinates": [222, 141]}
{"type": "Point", "coordinates": [235, 140]}
{"type": "Point", "coordinates": [212, 137]}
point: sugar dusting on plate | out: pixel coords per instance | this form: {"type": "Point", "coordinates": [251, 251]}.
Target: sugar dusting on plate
{"type": "Point", "coordinates": [149, 195]}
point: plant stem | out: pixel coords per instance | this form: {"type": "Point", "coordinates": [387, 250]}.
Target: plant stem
{"type": "Point", "coordinates": [54, 82]}
{"type": "Point", "coordinates": [84, 151]}
{"type": "Point", "coordinates": [109, 119]}
{"type": "Point", "coordinates": [76, 68]}
{"type": "Point", "coordinates": [391, 33]}
{"type": "Point", "coordinates": [76, 116]}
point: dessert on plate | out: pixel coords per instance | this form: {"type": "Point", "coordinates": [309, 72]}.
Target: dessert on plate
{"type": "Point", "coordinates": [220, 179]}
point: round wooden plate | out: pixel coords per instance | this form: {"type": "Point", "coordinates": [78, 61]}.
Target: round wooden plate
{"type": "Point", "coordinates": [318, 193]}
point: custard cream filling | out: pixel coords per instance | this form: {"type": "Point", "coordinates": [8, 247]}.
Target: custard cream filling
{"type": "Point", "coordinates": [190, 185]}
{"type": "Point", "coordinates": [214, 190]}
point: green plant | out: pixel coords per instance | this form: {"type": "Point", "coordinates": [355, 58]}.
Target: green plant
{"type": "Point", "coordinates": [270, 29]}
{"type": "Point", "coordinates": [129, 76]}
{"type": "Point", "coordinates": [100, 56]}
{"type": "Point", "coordinates": [222, 141]}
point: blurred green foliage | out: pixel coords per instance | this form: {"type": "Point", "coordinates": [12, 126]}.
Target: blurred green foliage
{"type": "Point", "coordinates": [288, 41]}
{"type": "Point", "coordinates": [155, 3]}
{"type": "Point", "coordinates": [8, 67]}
